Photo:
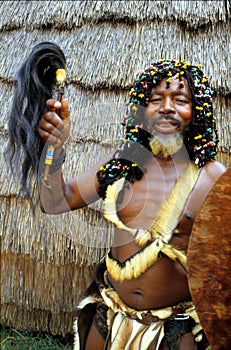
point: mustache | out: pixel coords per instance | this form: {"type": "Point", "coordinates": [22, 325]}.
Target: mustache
{"type": "Point", "coordinates": [166, 118]}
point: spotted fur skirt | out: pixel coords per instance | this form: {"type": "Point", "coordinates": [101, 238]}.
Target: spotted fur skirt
{"type": "Point", "coordinates": [124, 328]}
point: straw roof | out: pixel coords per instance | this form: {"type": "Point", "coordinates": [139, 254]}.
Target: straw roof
{"type": "Point", "coordinates": [46, 261]}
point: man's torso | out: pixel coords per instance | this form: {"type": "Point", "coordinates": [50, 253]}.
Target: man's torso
{"type": "Point", "coordinates": [165, 282]}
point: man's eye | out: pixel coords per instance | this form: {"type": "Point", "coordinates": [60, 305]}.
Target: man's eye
{"type": "Point", "coordinates": [181, 100]}
{"type": "Point", "coordinates": [155, 100]}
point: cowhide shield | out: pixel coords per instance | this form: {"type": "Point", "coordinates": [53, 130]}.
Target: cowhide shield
{"type": "Point", "coordinates": [209, 263]}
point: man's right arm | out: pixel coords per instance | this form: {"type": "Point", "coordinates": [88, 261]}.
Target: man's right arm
{"type": "Point", "coordinates": [56, 195]}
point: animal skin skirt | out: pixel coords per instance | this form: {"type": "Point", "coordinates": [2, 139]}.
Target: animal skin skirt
{"type": "Point", "coordinates": [126, 328]}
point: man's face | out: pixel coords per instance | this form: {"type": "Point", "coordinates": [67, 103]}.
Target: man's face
{"type": "Point", "coordinates": [169, 110]}
{"type": "Point", "coordinates": [168, 113]}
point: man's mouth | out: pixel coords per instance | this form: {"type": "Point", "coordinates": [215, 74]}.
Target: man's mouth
{"type": "Point", "coordinates": [166, 125]}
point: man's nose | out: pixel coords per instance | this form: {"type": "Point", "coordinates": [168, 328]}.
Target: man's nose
{"type": "Point", "coordinates": [167, 106]}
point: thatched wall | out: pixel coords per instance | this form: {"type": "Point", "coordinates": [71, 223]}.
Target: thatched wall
{"type": "Point", "coordinates": [46, 261]}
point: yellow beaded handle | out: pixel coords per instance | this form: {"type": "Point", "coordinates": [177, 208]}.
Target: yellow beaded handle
{"type": "Point", "coordinates": [60, 84]}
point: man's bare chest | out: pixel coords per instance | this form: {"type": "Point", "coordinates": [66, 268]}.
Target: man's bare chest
{"type": "Point", "coordinates": [141, 201]}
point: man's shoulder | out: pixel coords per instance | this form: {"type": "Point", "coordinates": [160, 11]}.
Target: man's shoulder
{"type": "Point", "coordinates": [213, 170]}
{"type": "Point", "coordinates": [209, 175]}
{"type": "Point", "coordinates": [215, 166]}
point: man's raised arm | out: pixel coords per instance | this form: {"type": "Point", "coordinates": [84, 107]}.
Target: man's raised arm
{"type": "Point", "coordinates": [56, 195]}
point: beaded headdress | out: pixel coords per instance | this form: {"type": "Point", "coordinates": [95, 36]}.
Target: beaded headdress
{"type": "Point", "coordinates": [200, 139]}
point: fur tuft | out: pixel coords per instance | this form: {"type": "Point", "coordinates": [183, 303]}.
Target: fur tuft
{"type": "Point", "coordinates": [35, 84]}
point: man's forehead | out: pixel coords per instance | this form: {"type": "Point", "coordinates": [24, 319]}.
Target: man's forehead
{"type": "Point", "coordinates": [174, 86]}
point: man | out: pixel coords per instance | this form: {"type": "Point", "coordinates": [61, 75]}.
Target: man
{"type": "Point", "coordinates": [152, 188]}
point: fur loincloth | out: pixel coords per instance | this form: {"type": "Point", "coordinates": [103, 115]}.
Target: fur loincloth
{"type": "Point", "coordinates": [129, 329]}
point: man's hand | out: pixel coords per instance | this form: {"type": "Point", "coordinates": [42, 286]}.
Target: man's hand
{"type": "Point", "coordinates": [53, 127]}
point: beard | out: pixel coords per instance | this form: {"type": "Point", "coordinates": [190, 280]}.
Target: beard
{"type": "Point", "coordinates": [166, 145]}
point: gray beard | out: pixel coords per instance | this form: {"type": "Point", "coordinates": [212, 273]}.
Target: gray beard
{"type": "Point", "coordinates": [164, 146]}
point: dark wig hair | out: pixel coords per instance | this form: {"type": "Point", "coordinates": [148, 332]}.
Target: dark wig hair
{"type": "Point", "coordinates": [200, 139]}
{"type": "Point", "coordinates": [35, 84]}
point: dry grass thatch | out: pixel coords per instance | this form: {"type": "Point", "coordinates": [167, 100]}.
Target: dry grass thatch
{"type": "Point", "coordinates": [74, 14]}
{"type": "Point", "coordinates": [46, 261]}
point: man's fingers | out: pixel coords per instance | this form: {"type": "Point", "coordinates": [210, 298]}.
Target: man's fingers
{"type": "Point", "coordinates": [46, 136]}
{"type": "Point", "coordinates": [54, 125]}
{"type": "Point", "coordinates": [51, 124]}
{"type": "Point", "coordinates": [53, 128]}
{"type": "Point", "coordinates": [64, 112]}
{"type": "Point", "coordinates": [53, 105]}
{"type": "Point", "coordinates": [50, 120]}
{"type": "Point", "coordinates": [60, 107]}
